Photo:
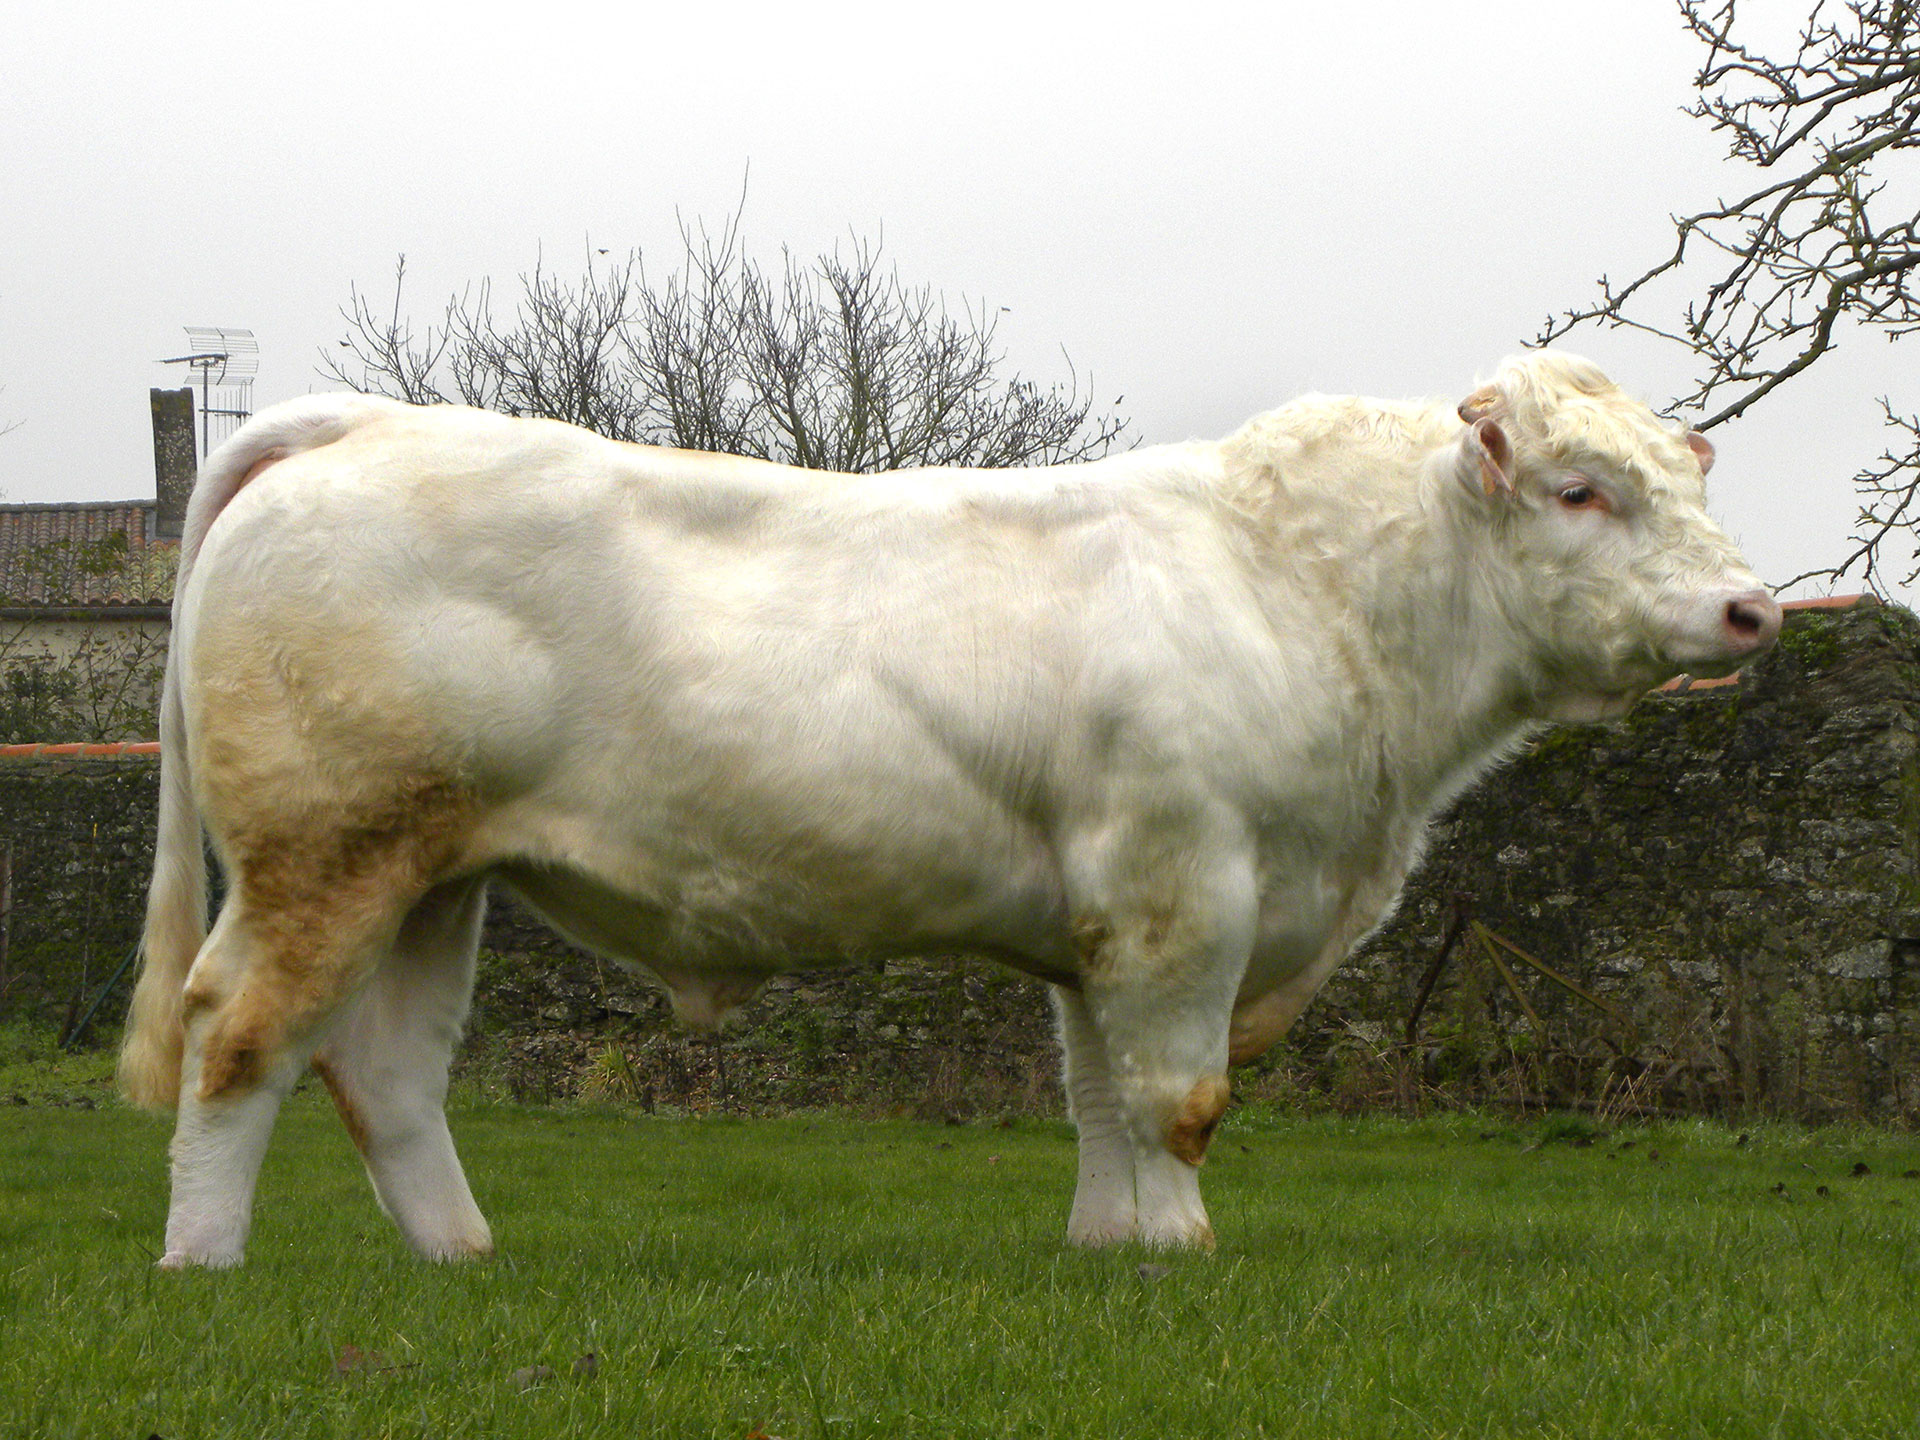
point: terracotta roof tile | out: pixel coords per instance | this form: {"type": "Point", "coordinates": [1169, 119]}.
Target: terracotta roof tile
{"type": "Point", "coordinates": [1829, 602]}
{"type": "Point", "coordinates": [96, 554]}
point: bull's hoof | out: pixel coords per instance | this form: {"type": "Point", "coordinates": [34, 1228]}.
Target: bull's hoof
{"type": "Point", "coordinates": [1098, 1235]}
{"type": "Point", "coordinates": [1198, 1237]}
{"type": "Point", "coordinates": [186, 1260]}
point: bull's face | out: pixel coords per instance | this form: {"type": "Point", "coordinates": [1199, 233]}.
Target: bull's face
{"type": "Point", "coordinates": [1605, 559]}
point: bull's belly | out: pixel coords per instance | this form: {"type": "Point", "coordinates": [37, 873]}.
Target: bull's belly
{"type": "Point", "coordinates": [716, 934]}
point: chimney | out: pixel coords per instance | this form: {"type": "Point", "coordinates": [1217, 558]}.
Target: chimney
{"type": "Point", "coordinates": [173, 459]}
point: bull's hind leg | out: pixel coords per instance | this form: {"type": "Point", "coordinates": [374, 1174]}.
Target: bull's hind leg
{"type": "Point", "coordinates": [386, 1064]}
{"type": "Point", "coordinates": [219, 1137]}
{"type": "Point", "coordinates": [315, 907]}
{"type": "Point", "coordinates": [256, 998]}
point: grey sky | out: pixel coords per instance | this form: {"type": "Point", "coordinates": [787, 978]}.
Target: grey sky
{"type": "Point", "coordinates": [1210, 210]}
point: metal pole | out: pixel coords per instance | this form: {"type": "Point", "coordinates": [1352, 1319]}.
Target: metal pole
{"type": "Point", "coordinates": [6, 916]}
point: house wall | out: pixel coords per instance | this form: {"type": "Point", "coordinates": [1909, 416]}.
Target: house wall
{"type": "Point", "coordinates": [58, 639]}
{"type": "Point", "coordinates": [68, 678]}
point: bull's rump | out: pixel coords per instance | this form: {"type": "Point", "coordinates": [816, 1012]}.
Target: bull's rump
{"type": "Point", "coordinates": [707, 713]}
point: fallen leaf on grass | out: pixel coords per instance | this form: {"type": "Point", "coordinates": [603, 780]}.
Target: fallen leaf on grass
{"type": "Point", "coordinates": [352, 1360]}
{"type": "Point", "coordinates": [528, 1376]}
{"type": "Point", "coordinates": [1150, 1271]}
{"type": "Point", "coordinates": [587, 1366]}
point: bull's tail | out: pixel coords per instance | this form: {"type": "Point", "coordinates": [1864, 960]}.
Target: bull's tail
{"type": "Point", "coordinates": [176, 924]}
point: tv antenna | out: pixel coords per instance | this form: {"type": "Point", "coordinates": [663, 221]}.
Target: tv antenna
{"type": "Point", "coordinates": [224, 360]}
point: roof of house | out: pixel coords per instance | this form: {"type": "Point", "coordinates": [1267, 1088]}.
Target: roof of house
{"type": "Point", "coordinates": [93, 555]}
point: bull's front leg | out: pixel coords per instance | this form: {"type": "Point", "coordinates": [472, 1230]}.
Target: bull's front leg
{"type": "Point", "coordinates": [1146, 1051]}
{"type": "Point", "coordinates": [1103, 1199]}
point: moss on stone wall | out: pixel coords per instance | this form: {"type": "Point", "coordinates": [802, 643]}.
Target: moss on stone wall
{"type": "Point", "coordinates": [79, 837]}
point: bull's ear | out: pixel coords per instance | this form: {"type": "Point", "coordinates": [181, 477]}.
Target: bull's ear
{"type": "Point", "coordinates": [1702, 449]}
{"type": "Point", "coordinates": [1486, 459]}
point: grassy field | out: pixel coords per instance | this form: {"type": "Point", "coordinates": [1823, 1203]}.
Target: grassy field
{"type": "Point", "coordinates": [826, 1277]}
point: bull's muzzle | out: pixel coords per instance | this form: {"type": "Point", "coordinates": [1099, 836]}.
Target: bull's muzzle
{"type": "Point", "coordinates": [1719, 631]}
{"type": "Point", "coordinates": [1750, 624]}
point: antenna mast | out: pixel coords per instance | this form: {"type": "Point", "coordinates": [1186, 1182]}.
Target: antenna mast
{"type": "Point", "coordinates": [224, 359]}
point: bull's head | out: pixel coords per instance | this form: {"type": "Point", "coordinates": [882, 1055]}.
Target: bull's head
{"type": "Point", "coordinates": [1604, 557]}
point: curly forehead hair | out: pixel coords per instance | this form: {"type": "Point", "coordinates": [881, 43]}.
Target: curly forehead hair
{"type": "Point", "coordinates": [1562, 408]}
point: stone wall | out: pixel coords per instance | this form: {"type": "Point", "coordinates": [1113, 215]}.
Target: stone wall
{"type": "Point", "coordinates": [1729, 876]}
{"type": "Point", "coordinates": [76, 846]}
{"type": "Point", "coordinates": [1734, 868]}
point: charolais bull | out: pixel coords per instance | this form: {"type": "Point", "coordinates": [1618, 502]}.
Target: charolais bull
{"type": "Point", "coordinates": [1164, 730]}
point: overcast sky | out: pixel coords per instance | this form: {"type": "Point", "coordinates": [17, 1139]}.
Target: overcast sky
{"type": "Point", "coordinates": [1209, 208]}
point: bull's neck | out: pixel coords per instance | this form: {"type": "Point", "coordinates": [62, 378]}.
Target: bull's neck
{"type": "Point", "coordinates": [1443, 692]}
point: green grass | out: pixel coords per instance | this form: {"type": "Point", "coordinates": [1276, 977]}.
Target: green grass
{"type": "Point", "coordinates": [829, 1278]}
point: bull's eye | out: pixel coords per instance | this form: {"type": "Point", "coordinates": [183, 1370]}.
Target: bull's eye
{"type": "Point", "coordinates": [1578, 495]}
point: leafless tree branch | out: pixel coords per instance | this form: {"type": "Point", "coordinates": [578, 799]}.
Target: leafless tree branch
{"type": "Point", "coordinates": [1829, 248]}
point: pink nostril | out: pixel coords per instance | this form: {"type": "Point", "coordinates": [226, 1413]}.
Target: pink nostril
{"type": "Point", "coordinates": [1753, 621]}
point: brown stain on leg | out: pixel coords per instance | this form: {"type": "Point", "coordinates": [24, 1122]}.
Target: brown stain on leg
{"type": "Point", "coordinates": [233, 1057]}
{"type": "Point", "coordinates": [1091, 936]}
{"type": "Point", "coordinates": [322, 898]}
{"type": "Point", "coordinates": [1193, 1127]}
{"type": "Point", "coordinates": [343, 1102]}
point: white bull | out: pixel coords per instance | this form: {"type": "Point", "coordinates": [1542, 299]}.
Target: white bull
{"type": "Point", "coordinates": [1164, 730]}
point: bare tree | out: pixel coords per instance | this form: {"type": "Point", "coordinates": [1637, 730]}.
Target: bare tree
{"type": "Point", "coordinates": [1826, 246]}
{"type": "Point", "coordinates": [837, 364]}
